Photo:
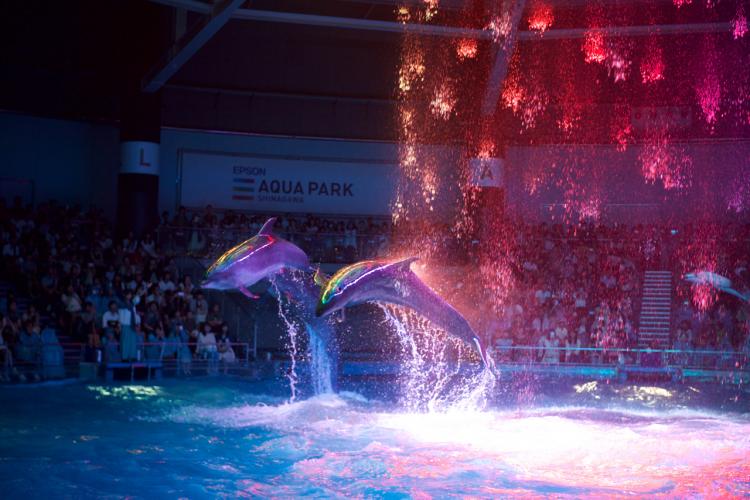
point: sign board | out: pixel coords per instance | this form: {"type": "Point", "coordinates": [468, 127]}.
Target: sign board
{"type": "Point", "coordinates": [139, 157]}
{"type": "Point", "coordinates": [486, 172]}
{"type": "Point", "coordinates": [281, 184]}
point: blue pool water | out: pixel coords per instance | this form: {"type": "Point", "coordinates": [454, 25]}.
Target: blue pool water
{"type": "Point", "coordinates": [227, 437]}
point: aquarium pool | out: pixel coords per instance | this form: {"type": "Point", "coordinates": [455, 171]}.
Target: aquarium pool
{"type": "Point", "coordinates": [224, 437]}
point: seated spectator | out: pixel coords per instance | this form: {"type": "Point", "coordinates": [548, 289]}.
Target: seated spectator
{"type": "Point", "coordinates": [52, 355]}
{"type": "Point", "coordinates": [29, 347]}
{"type": "Point", "coordinates": [206, 342]}
{"type": "Point", "coordinates": [155, 343]}
{"type": "Point", "coordinates": [93, 349]}
{"type": "Point", "coordinates": [111, 347]}
{"type": "Point", "coordinates": [226, 353]}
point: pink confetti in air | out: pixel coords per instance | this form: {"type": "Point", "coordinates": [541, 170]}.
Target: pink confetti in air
{"type": "Point", "coordinates": [541, 17]}
{"type": "Point", "coordinates": [739, 23]}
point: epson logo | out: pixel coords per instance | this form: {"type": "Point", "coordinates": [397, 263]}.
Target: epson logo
{"type": "Point", "coordinates": [246, 170]}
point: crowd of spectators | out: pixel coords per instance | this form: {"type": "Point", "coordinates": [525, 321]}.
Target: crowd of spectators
{"type": "Point", "coordinates": [66, 274]}
{"type": "Point", "coordinates": [207, 233]}
{"type": "Point", "coordinates": [124, 298]}
{"type": "Point", "coordinates": [573, 288]}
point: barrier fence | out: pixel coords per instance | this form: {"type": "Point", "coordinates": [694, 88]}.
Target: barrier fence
{"type": "Point", "coordinates": [65, 360]}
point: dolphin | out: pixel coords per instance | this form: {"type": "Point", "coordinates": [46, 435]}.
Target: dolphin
{"type": "Point", "coordinates": [395, 283]}
{"type": "Point", "coordinates": [717, 281]}
{"type": "Point", "coordinates": [254, 259]}
{"type": "Point", "coordinates": [266, 256]}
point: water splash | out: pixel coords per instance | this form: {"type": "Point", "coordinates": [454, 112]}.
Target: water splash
{"type": "Point", "coordinates": [435, 379]}
{"type": "Point", "coordinates": [321, 364]}
{"type": "Point", "coordinates": [291, 330]}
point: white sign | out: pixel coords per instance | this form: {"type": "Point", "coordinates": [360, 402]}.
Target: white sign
{"type": "Point", "coordinates": [273, 184]}
{"type": "Point", "coordinates": [139, 157]}
{"type": "Point", "coordinates": [486, 172]}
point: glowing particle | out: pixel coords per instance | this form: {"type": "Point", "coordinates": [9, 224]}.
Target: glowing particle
{"type": "Point", "coordinates": [431, 8]}
{"type": "Point", "coordinates": [681, 3]}
{"type": "Point", "coordinates": [541, 17]}
{"type": "Point", "coordinates": [739, 22]}
{"type": "Point", "coordinates": [466, 48]}
{"type": "Point", "coordinates": [443, 102]}
{"type": "Point", "coordinates": [652, 65]}
{"type": "Point", "coordinates": [402, 14]}
{"type": "Point", "coordinates": [594, 47]}
{"type": "Point", "coordinates": [499, 27]}
{"type": "Point", "coordinates": [708, 84]}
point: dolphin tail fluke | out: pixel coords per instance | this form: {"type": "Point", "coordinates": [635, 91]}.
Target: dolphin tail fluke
{"type": "Point", "coordinates": [267, 228]}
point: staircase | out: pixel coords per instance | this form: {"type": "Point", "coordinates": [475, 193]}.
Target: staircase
{"type": "Point", "coordinates": [656, 309]}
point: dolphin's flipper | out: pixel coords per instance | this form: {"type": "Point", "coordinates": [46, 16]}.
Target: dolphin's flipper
{"type": "Point", "coordinates": [267, 228]}
{"type": "Point", "coordinates": [247, 293]}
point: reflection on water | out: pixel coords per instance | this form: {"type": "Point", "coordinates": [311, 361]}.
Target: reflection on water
{"type": "Point", "coordinates": [218, 437]}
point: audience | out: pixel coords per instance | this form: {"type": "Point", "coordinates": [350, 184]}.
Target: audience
{"type": "Point", "coordinates": [120, 299]}
{"type": "Point", "coordinates": [67, 276]}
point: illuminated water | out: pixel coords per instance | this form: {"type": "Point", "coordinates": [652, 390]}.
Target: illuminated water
{"type": "Point", "coordinates": [228, 437]}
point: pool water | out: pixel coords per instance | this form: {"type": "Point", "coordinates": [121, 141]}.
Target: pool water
{"type": "Point", "coordinates": [227, 437]}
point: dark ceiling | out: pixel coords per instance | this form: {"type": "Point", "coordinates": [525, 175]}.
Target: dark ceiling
{"type": "Point", "coordinates": [80, 59]}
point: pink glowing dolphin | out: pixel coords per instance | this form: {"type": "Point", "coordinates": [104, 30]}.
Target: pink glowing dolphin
{"type": "Point", "coordinates": [259, 257]}
{"type": "Point", "coordinates": [395, 283]}
{"type": "Point", "coordinates": [717, 281]}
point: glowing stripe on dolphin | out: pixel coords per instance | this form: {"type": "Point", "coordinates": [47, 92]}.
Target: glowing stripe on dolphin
{"type": "Point", "coordinates": [395, 283]}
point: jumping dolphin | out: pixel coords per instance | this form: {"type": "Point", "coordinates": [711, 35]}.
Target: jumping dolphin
{"type": "Point", "coordinates": [717, 281]}
{"type": "Point", "coordinates": [265, 256]}
{"type": "Point", "coordinates": [254, 259]}
{"type": "Point", "coordinates": [395, 283]}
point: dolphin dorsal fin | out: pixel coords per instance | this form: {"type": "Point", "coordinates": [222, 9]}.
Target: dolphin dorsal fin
{"type": "Point", "coordinates": [406, 263]}
{"type": "Point", "coordinates": [320, 278]}
{"type": "Point", "coordinates": [267, 228]}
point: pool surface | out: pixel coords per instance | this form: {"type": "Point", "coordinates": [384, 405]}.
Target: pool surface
{"type": "Point", "coordinates": [226, 437]}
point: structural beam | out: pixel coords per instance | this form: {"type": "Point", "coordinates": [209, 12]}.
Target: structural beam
{"type": "Point", "coordinates": [184, 48]}
{"type": "Point", "coordinates": [447, 31]}
{"type": "Point", "coordinates": [503, 52]}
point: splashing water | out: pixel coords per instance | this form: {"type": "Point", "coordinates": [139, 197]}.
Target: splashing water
{"type": "Point", "coordinates": [321, 364]}
{"type": "Point", "coordinates": [433, 382]}
{"type": "Point", "coordinates": [291, 330]}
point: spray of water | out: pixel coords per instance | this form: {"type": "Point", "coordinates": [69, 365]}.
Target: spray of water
{"type": "Point", "coordinates": [431, 368]}
{"type": "Point", "coordinates": [320, 363]}
{"type": "Point", "coordinates": [291, 329]}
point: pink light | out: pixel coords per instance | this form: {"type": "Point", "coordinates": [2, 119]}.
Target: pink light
{"type": "Point", "coordinates": [466, 48]}
{"type": "Point", "coordinates": [594, 47]}
{"type": "Point", "coordinates": [681, 3]}
{"type": "Point", "coordinates": [443, 102]}
{"type": "Point", "coordinates": [739, 23]}
{"type": "Point", "coordinates": [541, 17]}
{"type": "Point", "coordinates": [652, 66]}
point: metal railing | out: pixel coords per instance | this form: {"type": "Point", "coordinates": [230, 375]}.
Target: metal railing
{"type": "Point", "coordinates": [69, 355]}
{"type": "Point", "coordinates": [597, 356]}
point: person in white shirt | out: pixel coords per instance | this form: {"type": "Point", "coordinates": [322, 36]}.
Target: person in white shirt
{"type": "Point", "coordinates": [112, 316]}
{"type": "Point", "coordinates": [166, 283]}
{"type": "Point", "coordinates": [206, 342]}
